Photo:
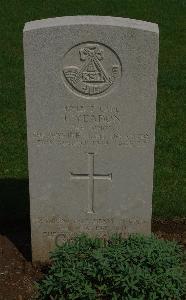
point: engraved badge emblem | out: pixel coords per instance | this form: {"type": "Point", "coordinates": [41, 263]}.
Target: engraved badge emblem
{"type": "Point", "coordinates": [91, 69]}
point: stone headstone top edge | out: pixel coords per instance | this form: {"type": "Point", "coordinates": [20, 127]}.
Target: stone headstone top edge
{"type": "Point", "coordinates": [94, 20]}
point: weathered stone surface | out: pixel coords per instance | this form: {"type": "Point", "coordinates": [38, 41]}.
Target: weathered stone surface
{"type": "Point", "coordinates": [91, 94]}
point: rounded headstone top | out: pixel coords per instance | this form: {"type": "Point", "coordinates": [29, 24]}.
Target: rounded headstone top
{"type": "Point", "coordinates": [91, 20]}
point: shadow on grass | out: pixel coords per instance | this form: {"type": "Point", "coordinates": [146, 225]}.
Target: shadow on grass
{"type": "Point", "coordinates": [14, 214]}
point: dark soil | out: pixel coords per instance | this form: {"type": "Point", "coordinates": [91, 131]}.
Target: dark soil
{"type": "Point", "coordinates": [17, 273]}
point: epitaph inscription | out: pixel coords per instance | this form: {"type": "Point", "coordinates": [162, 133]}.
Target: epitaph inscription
{"type": "Point", "coordinates": [94, 68]}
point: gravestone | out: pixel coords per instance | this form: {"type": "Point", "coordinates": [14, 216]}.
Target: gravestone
{"type": "Point", "coordinates": [91, 100]}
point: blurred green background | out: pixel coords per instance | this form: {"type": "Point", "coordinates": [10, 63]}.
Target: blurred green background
{"type": "Point", "coordinates": [169, 197]}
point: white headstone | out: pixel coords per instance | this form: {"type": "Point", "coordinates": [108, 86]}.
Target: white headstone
{"type": "Point", "coordinates": [91, 102]}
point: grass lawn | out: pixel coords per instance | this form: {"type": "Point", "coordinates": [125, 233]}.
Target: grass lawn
{"type": "Point", "coordinates": [169, 198]}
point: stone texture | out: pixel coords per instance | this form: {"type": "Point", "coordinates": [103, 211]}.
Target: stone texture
{"type": "Point", "coordinates": [91, 99]}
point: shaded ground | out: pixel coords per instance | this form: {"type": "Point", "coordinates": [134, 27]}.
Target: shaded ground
{"type": "Point", "coordinates": [17, 273]}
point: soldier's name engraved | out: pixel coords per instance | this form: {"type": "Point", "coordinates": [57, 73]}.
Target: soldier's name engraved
{"type": "Point", "coordinates": [91, 114]}
{"type": "Point", "coordinates": [89, 118]}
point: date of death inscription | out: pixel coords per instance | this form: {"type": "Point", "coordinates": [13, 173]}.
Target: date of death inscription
{"type": "Point", "coordinates": [85, 125]}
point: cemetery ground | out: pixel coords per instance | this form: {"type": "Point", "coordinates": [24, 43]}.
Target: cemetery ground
{"type": "Point", "coordinates": [17, 274]}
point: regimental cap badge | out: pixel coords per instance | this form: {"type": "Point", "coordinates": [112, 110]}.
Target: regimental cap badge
{"type": "Point", "coordinates": [96, 71]}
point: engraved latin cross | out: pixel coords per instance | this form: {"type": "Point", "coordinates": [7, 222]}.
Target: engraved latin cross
{"type": "Point", "coordinates": [91, 176]}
